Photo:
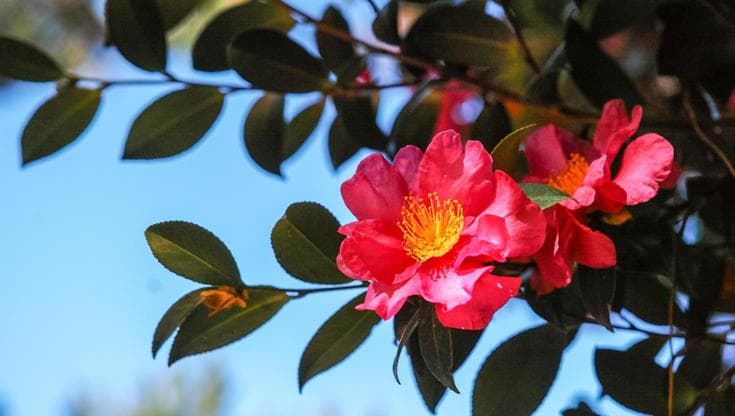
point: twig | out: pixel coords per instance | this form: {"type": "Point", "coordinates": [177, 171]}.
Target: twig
{"type": "Point", "coordinates": [703, 136]}
{"type": "Point", "coordinates": [375, 7]}
{"type": "Point", "coordinates": [300, 293]}
{"type": "Point", "coordinates": [513, 19]}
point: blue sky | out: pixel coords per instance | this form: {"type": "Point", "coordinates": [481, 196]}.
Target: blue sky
{"type": "Point", "coordinates": [82, 294]}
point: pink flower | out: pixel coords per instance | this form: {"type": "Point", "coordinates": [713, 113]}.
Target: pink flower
{"type": "Point", "coordinates": [584, 171]}
{"type": "Point", "coordinates": [450, 116]}
{"type": "Point", "coordinates": [432, 224]}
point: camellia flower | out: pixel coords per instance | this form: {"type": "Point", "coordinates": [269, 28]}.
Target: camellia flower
{"type": "Point", "coordinates": [224, 297]}
{"type": "Point", "coordinates": [584, 171]}
{"type": "Point", "coordinates": [432, 224]}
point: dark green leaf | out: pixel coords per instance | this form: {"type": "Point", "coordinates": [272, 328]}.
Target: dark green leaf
{"type": "Point", "coordinates": [702, 363]}
{"type": "Point", "coordinates": [589, 65]}
{"type": "Point", "coordinates": [619, 371]}
{"type": "Point", "coordinates": [175, 316]}
{"type": "Point", "coordinates": [603, 18]}
{"type": "Point", "coordinates": [300, 128]}
{"type": "Point", "coordinates": [306, 244]}
{"type": "Point", "coordinates": [543, 195]}
{"type": "Point", "coordinates": [193, 252]}
{"type": "Point", "coordinates": [210, 49]}
{"type": "Point", "coordinates": [506, 154]}
{"type": "Point", "coordinates": [341, 145]}
{"type": "Point", "coordinates": [358, 116]}
{"type": "Point", "coordinates": [582, 409]}
{"type": "Point", "coordinates": [404, 333]}
{"type": "Point", "coordinates": [270, 60]}
{"type": "Point", "coordinates": [460, 35]}
{"type": "Point", "coordinates": [264, 129]}
{"type": "Point", "coordinates": [135, 27]}
{"type": "Point", "coordinates": [339, 56]}
{"type": "Point", "coordinates": [435, 343]}
{"type": "Point", "coordinates": [562, 308]}
{"type": "Point", "coordinates": [23, 61]}
{"type": "Point", "coordinates": [492, 125]}
{"type": "Point", "coordinates": [722, 403]}
{"type": "Point", "coordinates": [526, 365]}
{"type": "Point", "coordinates": [597, 289]}
{"type": "Point", "coordinates": [174, 11]}
{"type": "Point", "coordinates": [385, 25]}
{"type": "Point", "coordinates": [201, 333]}
{"type": "Point", "coordinates": [58, 122]}
{"type": "Point", "coordinates": [416, 121]}
{"type": "Point", "coordinates": [647, 296]}
{"type": "Point", "coordinates": [173, 123]}
{"type": "Point", "coordinates": [336, 339]}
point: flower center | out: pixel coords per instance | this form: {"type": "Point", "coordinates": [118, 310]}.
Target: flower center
{"type": "Point", "coordinates": [430, 227]}
{"type": "Point", "coordinates": [572, 177]}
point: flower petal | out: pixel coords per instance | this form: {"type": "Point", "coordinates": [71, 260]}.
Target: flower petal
{"type": "Point", "coordinates": [554, 260]}
{"type": "Point", "coordinates": [451, 288]}
{"type": "Point", "coordinates": [407, 163]}
{"type": "Point", "coordinates": [376, 191]}
{"type": "Point", "coordinates": [524, 220]}
{"type": "Point", "coordinates": [373, 250]}
{"type": "Point", "coordinates": [592, 248]}
{"type": "Point", "coordinates": [646, 163]}
{"type": "Point", "coordinates": [456, 173]}
{"type": "Point", "coordinates": [614, 128]}
{"type": "Point", "coordinates": [488, 240]}
{"type": "Point", "coordinates": [387, 299]}
{"type": "Point", "coordinates": [489, 294]}
{"type": "Point", "coordinates": [545, 151]}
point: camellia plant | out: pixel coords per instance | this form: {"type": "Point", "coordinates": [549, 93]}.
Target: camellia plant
{"type": "Point", "coordinates": [576, 155]}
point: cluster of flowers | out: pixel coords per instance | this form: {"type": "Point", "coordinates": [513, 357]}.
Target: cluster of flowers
{"type": "Point", "coordinates": [436, 224]}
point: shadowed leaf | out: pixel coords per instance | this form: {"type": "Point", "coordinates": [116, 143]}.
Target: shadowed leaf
{"type": "Point", "coordinates": [135, 27]}
{"type": "Point", "coordinates": [174, 316]}
{"type": "Point", "coordinates": [23, 61]}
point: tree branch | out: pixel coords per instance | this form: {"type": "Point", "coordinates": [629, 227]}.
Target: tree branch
{"type": "Point", "coordinates": [689, 110]}
{"type": "Point", "coordinates": [513, 19]}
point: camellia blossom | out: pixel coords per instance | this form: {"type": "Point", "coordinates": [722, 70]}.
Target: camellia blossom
{"type": "Point", "coordinates": [224, 297]}
{"type": "Point", "coordinates": [432, 224]}
{"type": "Point", "coordinates": [584, 171]}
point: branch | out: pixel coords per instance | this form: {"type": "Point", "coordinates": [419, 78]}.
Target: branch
{"type": "Point", "coordinates": [513, 19]}
{"type": "Point", "coordinates": [703, 136]}
{"type": "Point", "coordinates": [300, 293]}
{"type": "Point", "coordinates": [375, 7]}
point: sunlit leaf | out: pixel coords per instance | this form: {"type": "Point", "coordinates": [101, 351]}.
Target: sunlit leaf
{"type": "Point", "coordinates": [305, 242]}
{"type": "Point", "coordinates": [543, 195]}
{"type": "Point", "coordinates": [173, 123]}
{"type": "Point", "coordinates": [193, 252]}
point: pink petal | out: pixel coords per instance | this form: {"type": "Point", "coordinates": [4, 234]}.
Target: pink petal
{"type": "Point", "coordinates": [646, 163]}
{"type": "Point", "coordinates": [610, 197]}
{"type": "Point", "coordinates": [545, 151]}
{"type": "Point", "coordinates": [373, 250]}
{"type": "Point", "coordinates": [524, 220]}
{"type": "Point", "coordinates": [592, 248]}
{"type": "Point", "coordinates": [387, 299]}
{"type": "Point", "coordinates": [554, 259]}
{"type": "Point", "coordinates": [448, 287]}
{"type": "Point", "coordinates": [489, 294]}
{"type": "Point", "coordinates": [488, 240]}
{"type": "Point", "coordinates": [376, 191]}
{"type": "Point", "coordinates": [407, 163]}
{"type": "Point", "coordinates": [457, 173]}
{"type": "Point", "coordinates": [614, 127]}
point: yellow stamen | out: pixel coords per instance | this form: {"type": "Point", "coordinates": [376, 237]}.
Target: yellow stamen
{"type": "Point", "coordinates": [618, 218]}
{"type": "Point", "coordinates": [224, 297]}
{"type": "Point", "coordinates": [430, 227]}
{"type": "Point", "coordinates": [572, 177]}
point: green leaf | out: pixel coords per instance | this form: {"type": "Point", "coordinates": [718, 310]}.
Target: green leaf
{"type": "Point", "coordinates": [174, 11]}
{"type": "Point", "coordinates": [135, 27]}
{"type": "Point", "coordinates": [507, 154]}
{"type": "Point", "coordinates": [339, 56]}
{"type": "Point", "coordinates": [525, 365]}
{"type": "Point", "coordinates": [201, 333]}
{"type": "Point", "coordinates": [306, 243]}
{"type": "Point", "coordinates": [264, 129]}
{"type": "Point", "coordinates": [582, 409]}
{"type": "Point", "coordinates": [336, 339]}
{"type": "Point", "coordinates": [58, 122]}
{"type": "Point", "coordinates": [405, 326]}
{"type": "Point", "coordinates": [460, 35]}
{"type": "Point", "coordinates": [210, 49]}
{"type": "Point", "coordinates": [300, 128]}
{"type": "Point", "coordinates": [341, 145]}
{"type": "Point", "coordinates": [358, 116]}
{"type": "Point", "coordinates": [589, 65]}
{"type": "Point", "coordinates": [435, 343]}
{"type": "Point", "coordinates": [175, 316]}
{"type": "Point", "coordinates": [492, 125]}
{"type": "Point", "coordinates": [603, 18]}
{"type": "Point", "coordinates": [415, 122]}
{"type": "Point", "coordinates": [385, 25]}
{"type": "Point", "coordinates": [633, 379]}
{"type": "Point", "coordinates": [173, 123]}
{"type": "Point", "coordinates": [270, 60]}
{"type": "Point", "coordinates": [702, 363]}
{"type": "Point", "coordinates": [597, 289]}
{"type": "Point", "coordinates": [23, 61]}
{"type": "Point", "coordinates": [647, 296]}
{"type": "Point", "coordinates": [543, 195]}
{"type": "Point", "coordinates": [193, 252]}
